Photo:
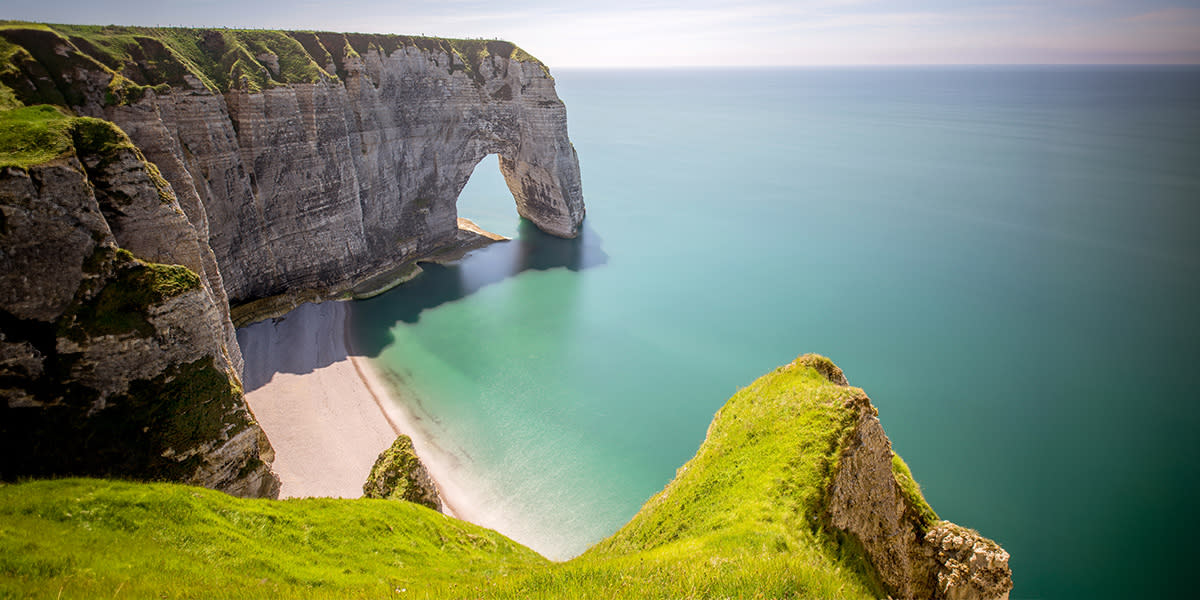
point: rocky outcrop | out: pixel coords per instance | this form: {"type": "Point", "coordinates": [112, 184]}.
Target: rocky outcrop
{"type": "Point", "coordinates": [968, 565]}
{"type": "Point", "coordinates": [315, 161]}
{"type": "Point", "coordinates": [114, 358]}
{"type": "Point", "coordinates": [873, 498]}
{"type": "Point", "coordinates": [398, 474]}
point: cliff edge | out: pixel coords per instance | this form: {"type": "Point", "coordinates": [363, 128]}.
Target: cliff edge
{"type": "Point", "coordinates": [797, 463]}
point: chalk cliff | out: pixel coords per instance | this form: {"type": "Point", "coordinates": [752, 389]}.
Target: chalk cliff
{"type": "Point", "coordinates": [314, 161]}
{"type": "Point", "coordinates": [298, 165]}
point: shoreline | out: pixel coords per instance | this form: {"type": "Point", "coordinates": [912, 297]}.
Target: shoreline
{"type": "Point", "coordinates": [319, 413]}
{"type": "Point", "coordinates": [327, 411]}
{"type": "Point", "coordinates": [390, 409]}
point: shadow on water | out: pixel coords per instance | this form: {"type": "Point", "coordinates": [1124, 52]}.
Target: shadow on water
{"type": "Point", "coordinates": [371, 320]}
{"type": "Point", "coordinates": [304, 339]}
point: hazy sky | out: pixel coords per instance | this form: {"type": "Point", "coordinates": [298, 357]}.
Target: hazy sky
{"type": "Point", "coordinates": [567, 33]}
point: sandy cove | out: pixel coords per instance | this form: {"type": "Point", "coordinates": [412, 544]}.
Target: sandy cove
{"type": "Point", "coordinates": [327, 413]}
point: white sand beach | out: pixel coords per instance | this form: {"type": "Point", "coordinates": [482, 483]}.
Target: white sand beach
{"type": "Point", "coordinates": [324, 418]}
{"type": "Point", "coordinates": [328, 413]}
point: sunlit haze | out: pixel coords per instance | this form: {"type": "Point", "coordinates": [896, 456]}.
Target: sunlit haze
{"type": "Point", "coordinates": [625, 33]}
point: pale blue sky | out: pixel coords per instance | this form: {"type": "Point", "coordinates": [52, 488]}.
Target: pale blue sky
{"type": "Point", "coordinates": [568, 33]}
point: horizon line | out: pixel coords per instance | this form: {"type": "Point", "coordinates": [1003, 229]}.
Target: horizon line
{"type": "Point", "coordinates": [644, 67]}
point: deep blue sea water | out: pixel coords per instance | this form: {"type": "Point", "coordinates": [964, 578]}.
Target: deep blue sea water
{"type": "Point", "coordinates": [1006, 259]}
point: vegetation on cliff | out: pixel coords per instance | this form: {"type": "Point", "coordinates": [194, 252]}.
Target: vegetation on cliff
{"type": "Point", "coordinates": [33, 135]}
{"type": "Point", "coordinates": [129, 291]}
{"type": "Point", "coordinates": [745, 518]}
{"type": "Point", "coordinates": [141, 59]}
{"type": "Point", "coordinates": [97, 539]}
{"type": "Point", "coordinates": [399, 475]}
{"type": "Point", "coordinates": [70, 400]}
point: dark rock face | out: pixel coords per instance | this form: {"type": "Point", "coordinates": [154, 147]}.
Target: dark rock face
{"type": "Point", "coordinates": [111, 363]}
{"type": "Point", "coordinates": [398, 474]}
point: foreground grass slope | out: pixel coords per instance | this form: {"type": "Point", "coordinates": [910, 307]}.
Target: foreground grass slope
{"type": "Point", "coordinates": [743, 519]}
{"type": "Point", "coordinates": [91, 538]}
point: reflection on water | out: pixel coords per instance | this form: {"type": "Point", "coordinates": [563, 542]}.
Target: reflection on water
{"type": "Point", "coordinates": [530, 250]}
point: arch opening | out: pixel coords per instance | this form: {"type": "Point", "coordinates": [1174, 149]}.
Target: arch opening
{"type": "Point", "coordinates": [487, 201]}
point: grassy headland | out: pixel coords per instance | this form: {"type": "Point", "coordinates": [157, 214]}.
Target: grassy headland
{"type": "Point", "coordinates": [743, 519]}
{"type": "Point", "coordinates": [140, 59]}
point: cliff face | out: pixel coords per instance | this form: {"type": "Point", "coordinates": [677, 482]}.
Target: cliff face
{"type": "Point", "coordinates": [314, 161]}
{"type": "Point", "coordinates": [274, 168]}
{"type": "Point", "coordinates": [873, 498]}
{"type": "Point", "coordinates": [112, 362]}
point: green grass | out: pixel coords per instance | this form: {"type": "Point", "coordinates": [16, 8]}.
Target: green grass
{"type": "Point", "coordinates": [743, 519]}
{"type": "Point", "coordinates": [145, 59]}
{"type": "Point", "coordinates": [122, 305]}
{"type": "Point", "coordinates": [33, 135]}
{"type": "Point", "coordinates": [92, 539]}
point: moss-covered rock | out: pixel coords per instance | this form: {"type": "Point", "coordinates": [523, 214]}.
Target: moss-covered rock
{"type": "Point", "coordinates": [398, 474]}
{"type": "Point", "coordinates": [122, 305]}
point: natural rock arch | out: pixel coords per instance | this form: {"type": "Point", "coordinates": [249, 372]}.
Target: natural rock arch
{"type": "Point", "coordinates": [306, 182]}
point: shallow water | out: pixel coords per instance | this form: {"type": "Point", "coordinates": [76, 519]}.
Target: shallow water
{"type": "Point", "coordinates": [1005, 259]}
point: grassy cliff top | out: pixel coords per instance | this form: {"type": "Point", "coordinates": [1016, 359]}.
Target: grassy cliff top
{"type": "Point", "coordinates": [32, 135]}
{"type": "Point", "coordinates": [743, 519]}
{"type": "Point", "coordinates": [93, 539]}
{"type": "Point", "coordinates": [216, 59]}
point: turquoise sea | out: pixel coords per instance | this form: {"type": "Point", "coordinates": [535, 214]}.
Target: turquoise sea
{"type": "Point", "coordinates": [1007, 260]}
